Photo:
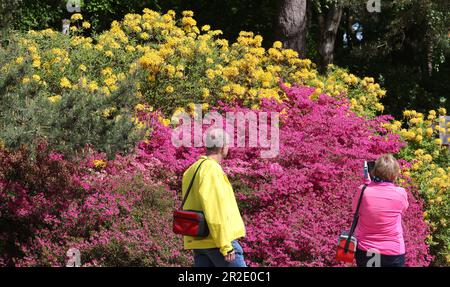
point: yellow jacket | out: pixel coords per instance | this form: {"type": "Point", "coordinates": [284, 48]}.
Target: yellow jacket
{"type": "Point", "coordinates": [212, 193]}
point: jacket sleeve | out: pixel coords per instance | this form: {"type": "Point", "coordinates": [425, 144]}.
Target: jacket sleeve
{"type": "Point", "coordinates": [405, 200]}
{"type": "Point", "coordinates": [214, 207]}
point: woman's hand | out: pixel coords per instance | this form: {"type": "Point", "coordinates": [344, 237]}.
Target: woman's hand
{"type": "Point", "coordinates": [230, 256]}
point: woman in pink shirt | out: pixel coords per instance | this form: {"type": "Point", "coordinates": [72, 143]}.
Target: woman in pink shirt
{"type": "Point", "coordinates": [379, 231]}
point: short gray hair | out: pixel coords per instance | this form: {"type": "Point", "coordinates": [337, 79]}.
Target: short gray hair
{"type": "Point", "coordinates": [216, 138]}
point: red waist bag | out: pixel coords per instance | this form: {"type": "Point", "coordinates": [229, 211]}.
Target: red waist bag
{"type": "Point", "coordinates": [190, 222]}
{"type": "Point", "coordinates": [347, 243]}
{"type": "Point", "coordinates": [343, 254]}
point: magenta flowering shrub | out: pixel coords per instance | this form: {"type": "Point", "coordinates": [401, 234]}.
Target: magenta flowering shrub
{"type": "Point", "coordinates": [296, 205]}
{"type": "Point", "coordinates": [119, 212]}
{"type": "Point", "coordinates": [119, 215]}
{"type": "Point", "coordinates": [142, 236]}
{"type": "Point", "coordinates": [305, 204]}
{"type": "Point", "coordinates": [32, 196]}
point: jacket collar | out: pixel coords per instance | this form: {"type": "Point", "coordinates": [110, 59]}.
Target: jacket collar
{"type": "Point", "coordinates": [384, 183]}
{"type": "Point", "coordinates": [207, 157]}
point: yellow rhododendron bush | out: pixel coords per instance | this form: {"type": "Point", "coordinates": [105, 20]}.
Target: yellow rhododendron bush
{"type": "Point", "coordinates": [429, 170]}
{"type": "Point", "coordinates": [77, 90]}
{"type": "Point", "coordinates": [50, 81]}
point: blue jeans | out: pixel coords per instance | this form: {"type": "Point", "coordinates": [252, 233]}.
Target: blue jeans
{"type": "Point", "coordinates": [211, 257]}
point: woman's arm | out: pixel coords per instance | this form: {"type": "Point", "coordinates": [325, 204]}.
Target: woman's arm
{"type": "Point", "coordinates": [405, 199]}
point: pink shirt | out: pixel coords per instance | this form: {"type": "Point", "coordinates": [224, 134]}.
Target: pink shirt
{"type": "Point", "coordinates": [380, 218]}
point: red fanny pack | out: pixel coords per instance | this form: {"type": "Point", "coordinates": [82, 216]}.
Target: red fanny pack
{"type": "Point", "coordinates": [343, 254]}
{"type": "Point", "coordinates": [190, 222]}
{"type": "Point", "coordinates": [347, 243]}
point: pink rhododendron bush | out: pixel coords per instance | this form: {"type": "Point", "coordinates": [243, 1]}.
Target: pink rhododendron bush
{"type": "Point", "coordinates": [118, 212]}
{"type": "Point", "coordinates": [116, 215]}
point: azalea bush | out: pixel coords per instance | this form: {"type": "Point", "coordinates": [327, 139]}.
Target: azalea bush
{"type": "Point", "coordinates": [116, 215]}
{"type": "Point", "coordinates": [293, 204]}
{"type": "Point", "coordinates": [286, 201]}
{"type": "Point", "coordinates": [41, 100]}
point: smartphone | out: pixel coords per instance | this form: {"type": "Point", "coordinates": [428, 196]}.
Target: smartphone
{"type": "Point", "coordinates": [368, 167]}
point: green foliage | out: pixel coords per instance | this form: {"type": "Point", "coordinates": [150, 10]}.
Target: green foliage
{"type": "Point", "coordinates": [35, 106]}
{"type": "Point", "coordinates": [405, 48]}
{"type": "Point", "coordinates": [29, 14]}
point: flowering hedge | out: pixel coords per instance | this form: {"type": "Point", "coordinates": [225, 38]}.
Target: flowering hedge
{"type": "Point", "coordinates": [317, 173]}
{"type": "Point", "coordinates": [73, 91]}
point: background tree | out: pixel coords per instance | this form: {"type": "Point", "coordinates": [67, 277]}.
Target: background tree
{"type": "Point", "coordinates": [292, 25]}
{"type": "Point", "coordinates": [7, 8]}
{"type": "Point", "coordinates": [405, 47]}
{"type": "Point", "coordinates": [328, 14]}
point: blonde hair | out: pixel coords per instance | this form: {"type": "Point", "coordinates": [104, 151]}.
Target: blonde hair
{"type": "Point", "coordinates": [386, 168]}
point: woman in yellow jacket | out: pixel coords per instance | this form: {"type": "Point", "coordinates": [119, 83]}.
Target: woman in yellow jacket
{"type": "Point", "coordinates": [212, 193]}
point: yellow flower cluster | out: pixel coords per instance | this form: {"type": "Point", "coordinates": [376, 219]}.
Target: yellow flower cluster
{"type": "Point", "coordinates": [76, 16]}
{"type": "Point", "coordinates": [421, 127]}
{"type": "Point", "coordinates": [55, 99]}
{"type": "Point", "coordinates": [243, 70]}
{"type": "Point", "coordinates": [163, 47]}
{"type": "Point", "coordinates": [364, 93]}
{"type": "Point", "coordinates": [99, 163]}
{"type": "Point", "coordinates": [428, 171]}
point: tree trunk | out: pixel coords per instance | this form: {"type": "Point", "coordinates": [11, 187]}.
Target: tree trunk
{"type": "Point", "coordinates": [6, 16]}
{"type": "Point", "coordinates": [328, 24]}
{"type": "Point", "coordinates": [291, 25]}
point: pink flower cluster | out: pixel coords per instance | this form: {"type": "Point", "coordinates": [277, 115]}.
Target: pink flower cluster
{"type": "Point", "coordinates": [294, 205]}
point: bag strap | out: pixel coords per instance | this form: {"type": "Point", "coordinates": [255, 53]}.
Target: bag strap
{"type": "Point", "coordinates": [190, 184]}
{"type": "Point", "coordinates": [355, 220]}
